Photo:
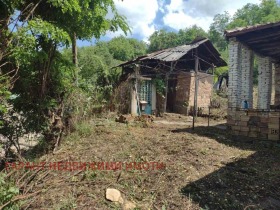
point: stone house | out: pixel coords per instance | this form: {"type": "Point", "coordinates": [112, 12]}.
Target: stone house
{"type": "Point", "coordinates": [179, 69]}
{"type": "Point", "coordinates": [261, 41]}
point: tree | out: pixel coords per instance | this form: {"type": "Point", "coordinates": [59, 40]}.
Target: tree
{"type": "Point", "coordinates": [125, 49]}
{"type": "Point", "coordinates": [81, 19]}
{"type": "Point", "coordinates": [163, 39]}
{"type": "Point", "coordinates": [247, 15]}
{"type": "Point", "coordinates": [252, 14]}
{"type": "Point", "coordinates": [44, 76]}
{"type": "Point", "coordinates": [187, 35]}
{"type": "Point", "coordinates": [217, 29]}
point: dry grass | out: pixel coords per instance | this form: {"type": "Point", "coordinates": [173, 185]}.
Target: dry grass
{"type": "Point", "coordinates": [206, 168]}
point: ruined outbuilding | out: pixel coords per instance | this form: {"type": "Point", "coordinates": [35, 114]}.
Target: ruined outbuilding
{"type": "Point", "coordinates": [178, 69]}
{"type": "Point", "coordinates": [263, 42]}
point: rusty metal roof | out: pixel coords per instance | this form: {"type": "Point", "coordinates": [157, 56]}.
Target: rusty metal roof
{"type": "Point", "coordinates": [254, 28]}
{"type": "Point", "coordinates": [263, 39]}
{"type": "Point", "coordinates": [175, 53]}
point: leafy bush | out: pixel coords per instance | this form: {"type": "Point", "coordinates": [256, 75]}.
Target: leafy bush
{"type": "Point", "coordinates": [7, 192]}
{"type": "Point", "coordinates": [84, 129]}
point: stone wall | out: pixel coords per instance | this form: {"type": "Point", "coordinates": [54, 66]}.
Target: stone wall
{"type": "Point", "coordinates": [259, 124]}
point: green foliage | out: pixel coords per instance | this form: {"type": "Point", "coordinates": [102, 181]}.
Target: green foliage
{"type": "Point", "coordinates": [7, 192]}
{"type": "Point", "coordinates": [217, 29]}
{"type": "Point", "coordinates": [84, 129]}
{"type": "Point", "coordinates": [250, 14]}
{"type": "Point", "coordinates": [160, 85]}
{"type": "Point", "coordinates": [87, 18]}
{"type": "Point", "coordinates": [44, 76]}
{"type": "Point", "coordinates": [125, 49]}
{"type": "Point", "coordinates": [219, 71]}
{"type": "Point", "coordinates": [96, 77]}
{"type": "Point", "coordinates": [5, 94]}
{"type": "Point", "coordinates": [162, 39]}
{"type": "Point", "coordinates": [187, 35]}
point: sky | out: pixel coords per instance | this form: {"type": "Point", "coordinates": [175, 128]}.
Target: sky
{"type": "Point", "coordinates": [146, 16]}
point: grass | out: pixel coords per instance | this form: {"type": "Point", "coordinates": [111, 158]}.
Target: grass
{"type": "Point", "coordinates": [205, 168]}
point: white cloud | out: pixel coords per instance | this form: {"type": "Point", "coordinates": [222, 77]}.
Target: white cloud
{"type": "Point", "coordinates": [179, 14]}
{"type": "Point", "coordinates": [140, 16]}
{"type": "Point", "coordinates": [182, 14]}
{"type": "Point", "coordinates": [181, 20]}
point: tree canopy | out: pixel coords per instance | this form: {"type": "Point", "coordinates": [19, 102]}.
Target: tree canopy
{"type": "Point", "coordinates": [125, 49]}
{"type": "Point", "coordinates": [163, 39]}
{"type": "Point", "coordinates": [40, 78]}
{"type": "Point", "coordinates": [250, 14]}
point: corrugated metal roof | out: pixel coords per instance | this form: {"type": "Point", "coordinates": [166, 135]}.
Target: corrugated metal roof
{"type": "Point", "coordinates": [175, 53]}
{"type": "Point", "coordinates": [264, 39]}
{"type": "Point", "coordinates": [242, 30]}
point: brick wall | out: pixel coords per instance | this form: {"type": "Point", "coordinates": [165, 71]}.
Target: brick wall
{"type": "Point", "coordinates": [234, 73]}
{"type": "Point", "coordinates": [247, 75]}
{"type": "Point", "coordinates": [264, 82]}
{"type": "Point", "coordinates": [186, 89]}
{"type": "Point", "coordinates": [254, 123]}
{"type": "Point", "coordinates": [185, 80]}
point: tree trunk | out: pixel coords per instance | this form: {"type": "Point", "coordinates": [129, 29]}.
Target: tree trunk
{"type": "Point", "coordinates": [74, 49]}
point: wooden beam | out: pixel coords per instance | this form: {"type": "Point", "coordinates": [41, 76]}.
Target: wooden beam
{"type": "Point", "coordinates": [276, 53]}
{"type": "Point", "coordinates": [252, 29]}
{"type": "Point", "coordinates": [267, 45]}
{"type": "Point", "coordinates": [256, 38]}
{"type": "Point", "coordinates": [166, 86]}
{"type": "Point", "coordinates": [196, 88]}
{"type": "Point", "coordinates": [270, 50]}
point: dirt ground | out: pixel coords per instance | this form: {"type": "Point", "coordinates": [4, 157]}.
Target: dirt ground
{"type": "Point", "coordinates": [205, 168]}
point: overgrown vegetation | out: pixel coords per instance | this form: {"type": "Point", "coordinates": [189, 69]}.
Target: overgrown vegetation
{"type": "Point", "coordinates": [42, 86]}
{"type": "Point", "coordinates": [39, 77]}
{"type": "Point", "coordinates": [47, 87]}
{"type": "Point", "coordinates": [7, 192]}
{"type": "Point", "coordinates": [205, 168]}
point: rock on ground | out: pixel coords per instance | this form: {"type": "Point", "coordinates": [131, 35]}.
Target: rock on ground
{"type": "Point", "coordinates": [113, 195]}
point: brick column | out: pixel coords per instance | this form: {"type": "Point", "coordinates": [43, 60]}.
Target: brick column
{"type": "Point", "coordinates": [264, 82]}
{"type": "Point", "coordinates": [247, 75]}
{"type": "Point", "coordinates": [277, 84]}
{"type": "Point", "coordinates": [234, 73]}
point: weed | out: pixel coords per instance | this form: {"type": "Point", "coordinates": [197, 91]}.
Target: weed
{"type": "Point", "coordinates": [7, 192]}
{"type": "Point", "coordinates": [67, 203]}
{"type": "Point", "coordinates": [84, 129]}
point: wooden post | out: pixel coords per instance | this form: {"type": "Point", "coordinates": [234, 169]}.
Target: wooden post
{"type": "Point", "coordinates": [166, 86]}
{"type": "Point", "coordinates": [209, 112]}
{"type": "Point", "coordinates": [137, 72]}
{"type": "Point", "coordinates": [213, 82]}
{"type": "Point", "coordinates": [196, 88]}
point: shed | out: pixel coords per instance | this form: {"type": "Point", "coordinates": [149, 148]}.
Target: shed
{"type": "Point", "coordinates": [172, 72]}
